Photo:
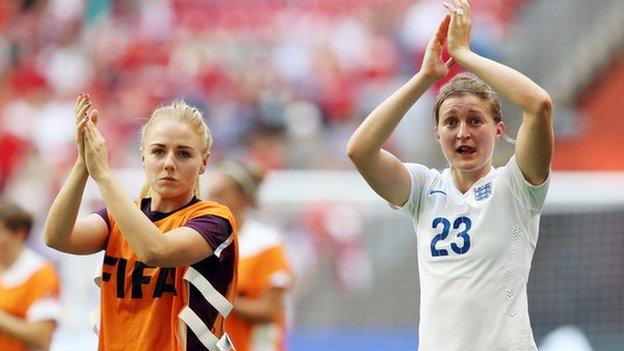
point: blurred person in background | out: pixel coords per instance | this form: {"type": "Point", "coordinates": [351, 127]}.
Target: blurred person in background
{"type": "Point", "coordinates": [258, 320]}
{"type": "Point", "coordinates": [477, 226]}
{"type": "Point", "coordinates": [29, 286]}
{"type": "Point", "coordinates": [170, 258]}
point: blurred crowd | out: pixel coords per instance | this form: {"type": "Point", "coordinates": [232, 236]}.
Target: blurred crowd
{"type": "Point", "coordinates": [281, 82]}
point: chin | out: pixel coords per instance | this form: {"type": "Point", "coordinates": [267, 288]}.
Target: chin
{"type": "Point", "coordinates": [472, 165]}
{"type": "Point", "coordinates": [168, 193]}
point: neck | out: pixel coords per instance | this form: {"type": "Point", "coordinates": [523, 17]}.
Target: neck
{"type": "Point", "coordinates": [464, 180]}
{"type": "Point", "coordinates": [161, 204]}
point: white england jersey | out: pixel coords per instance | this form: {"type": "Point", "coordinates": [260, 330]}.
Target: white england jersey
{"type": "Point", "coordinates": [474, 256]}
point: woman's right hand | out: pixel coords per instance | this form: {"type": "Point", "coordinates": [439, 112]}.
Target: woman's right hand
{"type": "Point", "coordinates": [433, 66]}
{"type": "Point", "coordinates": [83, 103]}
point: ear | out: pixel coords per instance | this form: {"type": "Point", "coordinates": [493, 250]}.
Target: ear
{"type": "Point", "coordinates": [500, 130]}
{"type": "Point", "coordinates": [204, 163]}
{"type": "Point", "coordinates": [437, 134]}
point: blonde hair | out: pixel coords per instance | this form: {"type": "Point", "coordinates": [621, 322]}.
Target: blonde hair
{"type": "Point", "coordinates": [468, 83]}
{"type": "Point", "coordinates": [187, 114]}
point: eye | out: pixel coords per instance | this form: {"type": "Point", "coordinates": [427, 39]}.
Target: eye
{"type": "Point", "coordinates": [476, 121]}
{"type": "Point", "coordinates": [157, 152]}
{"type": "Point", "coordinates": [450, 122]}
{"type": "Point", "coordinates": [184, 154]}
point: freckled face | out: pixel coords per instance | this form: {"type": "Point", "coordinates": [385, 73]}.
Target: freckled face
{"type": "Point", "coordinates": [172, 158]}
{"type": "Point", "coordinates": [467, 133]}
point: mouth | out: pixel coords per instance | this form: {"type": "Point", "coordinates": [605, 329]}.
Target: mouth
{"type": "Point", "coordinates": [169, 179]}
{"type": "Point", "coordinates": [465, 150]}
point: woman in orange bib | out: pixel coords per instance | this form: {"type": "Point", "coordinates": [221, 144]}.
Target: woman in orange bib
{"type": "Point", "coordinates": [257, 322]}
{"type": "Point", "coordinates": [29, 286]}
{"type": "Point", "coordinates": [169, 268]}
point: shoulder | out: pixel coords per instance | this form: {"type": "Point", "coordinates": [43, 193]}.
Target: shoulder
{"type": "Point", "coordinates": [422, 180]}
{"type": "Point", "coordinates": [511, 172]}
{"type": "Point", "coordinates": [204, 207]}
{"type": "Point", "coordinates": [205, 211]}
{"type": "Point", "coordinates": [29, 265]}
{"type": "Point", "coordinates": [510, 177]}
{"type": "Point", "coordinates": [420, 169]}
{"type": "Point", "coordinates": [421, 176]}
{"type": "Point", "coordinates": [214, 212]}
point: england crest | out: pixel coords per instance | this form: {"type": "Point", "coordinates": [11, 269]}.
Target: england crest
{"type": "Point", "coordinates": [483, 192]}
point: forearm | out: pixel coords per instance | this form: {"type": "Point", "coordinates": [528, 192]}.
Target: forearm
{"type": "Point", "coordinates": [64, 210]}
{"type": "Point", "coordinates": [515, 86]}
{"type": "Point", "coordinates": [142, 235]}
{"type": "Point", "coordinates": [379, 125]}
{"type": "Point", "coordinates": [37, 337]}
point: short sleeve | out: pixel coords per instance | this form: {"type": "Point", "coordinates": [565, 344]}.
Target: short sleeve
{"type": "Point", "coordinates": [277, 269]}
{"type": "Point", "coordinates": [531, 196]}
{"type": "Point", "coordinates": [45, 287]}
{"type": "Point", "coordinates": [419, 175]}
{"type": "Point", "coordinates": [103, 212]}
{"type": "Point", "coordinates": [217, 231]}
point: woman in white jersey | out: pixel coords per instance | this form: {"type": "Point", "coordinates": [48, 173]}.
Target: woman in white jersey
{"type": "Point", "coordinates": [476, 226]}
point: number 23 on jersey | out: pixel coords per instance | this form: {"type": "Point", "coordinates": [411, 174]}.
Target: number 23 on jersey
{"type": "Point", "coordinates": [461, 240]}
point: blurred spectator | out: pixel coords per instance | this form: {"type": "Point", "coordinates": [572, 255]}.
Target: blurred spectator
{"type": "Point", "coordinates": [29, 286]}
{"type": "Point", "coordinates": [258, 320]}
{"type": "Point", "coordinates": [282, 83]}
{"type": "Point", "coordinates": [13, 148]}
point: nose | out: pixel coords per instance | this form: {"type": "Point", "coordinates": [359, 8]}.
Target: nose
{"type": "Point", "coordinates": [169, 161]}
{"type": "Point", "coordinates": [463, 132]}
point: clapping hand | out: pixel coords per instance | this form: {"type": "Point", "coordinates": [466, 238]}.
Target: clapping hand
{"type": "Point", "coordinates": [433, 66]}
{"type": "Point", "coordinates": [81, 109]}
{"type": "Point", "coordinates": [458, 39]}
{"type": "Point", "coordinates": [90, 142]}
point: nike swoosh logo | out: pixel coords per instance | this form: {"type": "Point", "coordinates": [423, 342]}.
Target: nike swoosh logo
{"type": "Point", "coordinates": [436, 192]}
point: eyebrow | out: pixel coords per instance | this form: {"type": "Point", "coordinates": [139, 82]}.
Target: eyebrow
{"type": "Point", "coordinates": [454, 110]}
{"type": "Point", "coordinates": [177, 147]}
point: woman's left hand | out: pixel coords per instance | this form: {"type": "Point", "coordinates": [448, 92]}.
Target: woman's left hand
{"type": "Point", "coordinates": [96, 155]}
{"type": "Point", "coordinates": [458, 40]}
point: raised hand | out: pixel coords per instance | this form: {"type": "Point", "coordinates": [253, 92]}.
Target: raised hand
{"type": "Point", "coordinates": [95, 153]}
{"type": "Point", "coordinates": [433, 66]}
{"type": "Point", "coordinates": [82, 105]}
{"type": "Point", "coordinates": [81, 109]}
{"type": "Point", "coordinates": [458, 39]}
